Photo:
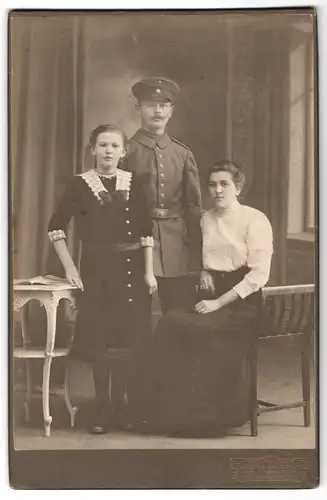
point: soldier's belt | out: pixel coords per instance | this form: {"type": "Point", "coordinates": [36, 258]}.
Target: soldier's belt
{"type": "Point", "coordinates": [115, 247]}
{"type": "Point", "coordinates": [165, 213]}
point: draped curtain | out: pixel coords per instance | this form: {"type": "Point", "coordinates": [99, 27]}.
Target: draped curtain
{"type": "Point", "coordinates": [258, 91]}
{"type": "Point", "coordinates": [46, 109]}
{"type": "Point", "coordinates": [272, 110]}
{"type": "Point", "coordinates": [46, 92]}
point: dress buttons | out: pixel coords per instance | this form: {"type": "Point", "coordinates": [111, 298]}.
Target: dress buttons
{"type": "Point", "coordinates": [161, 165]}
{"type": "Point", "coordinates": [129, 285]}
{"type": "Point", "coordinates": [129, 272]}
{"type": "Point", "coordinates": [160, 156]}
{"type": "Point", "coordinates": [128, 260]}
{"type": "Point", "coordinates": [161, 184]}
{"type": "Point", "coordinates": [162, 205]}
{"type": "Point", "coordinates": [130, 300]}
{"type": "Point", "coordinates": [127, 209]}
{"type": "Point", "coordinates": [129, 233]}
{"type": "Point", "coordinates": [162, 175]}
{"type": "Point", "coordinates": [127, 222]}
{"type": "Point", "coordinates": [162, 195]}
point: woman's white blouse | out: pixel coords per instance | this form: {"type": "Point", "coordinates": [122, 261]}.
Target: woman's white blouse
{"type": "Point", "coordinates": [240, 237]}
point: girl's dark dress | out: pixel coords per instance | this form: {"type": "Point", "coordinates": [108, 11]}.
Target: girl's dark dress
{"type": "Point", "coordinates": [114, 308]}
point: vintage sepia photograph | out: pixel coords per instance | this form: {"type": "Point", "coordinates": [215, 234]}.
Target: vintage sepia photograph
{"type": "Point", "coordinates": [163, 170]}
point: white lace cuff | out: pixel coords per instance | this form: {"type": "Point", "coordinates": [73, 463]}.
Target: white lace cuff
{"type": "Point", "coordinates": [56, 234]}
{"type": "Point", "coordinates": [147, 241]}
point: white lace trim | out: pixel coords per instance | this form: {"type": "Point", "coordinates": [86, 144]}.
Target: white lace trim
{"type": "Point", "coordinates": [56, 234]}
{"type": "Point", "coordinates": [123, 182]}
{"type": "Point", "coordinates": [146, 241]}
{"type": "Point", "coordinates": [94, 182]}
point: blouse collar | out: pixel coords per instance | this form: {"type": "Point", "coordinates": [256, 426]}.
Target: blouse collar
{"type": "Point", "coordinates": [232, 208]}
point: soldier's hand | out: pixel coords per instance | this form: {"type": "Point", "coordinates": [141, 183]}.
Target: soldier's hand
{"type": "Point", "coordinates": [206, 282]}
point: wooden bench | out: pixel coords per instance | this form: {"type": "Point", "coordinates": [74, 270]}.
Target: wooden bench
{"type": "Point", "coordinates": [285, 311]}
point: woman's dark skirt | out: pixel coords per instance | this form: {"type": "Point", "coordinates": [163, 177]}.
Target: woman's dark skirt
{"type": "Point", "coordinates": [196, 376]}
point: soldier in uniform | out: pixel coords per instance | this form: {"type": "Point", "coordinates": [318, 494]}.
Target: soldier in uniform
{"type": "Point", "coordinates": [172, 191]}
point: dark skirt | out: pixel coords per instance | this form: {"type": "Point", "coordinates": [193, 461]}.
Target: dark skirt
{"type": "Point", "coordinates": [197, 380]}
{"type": "Point", "coordinates": [114, 310]}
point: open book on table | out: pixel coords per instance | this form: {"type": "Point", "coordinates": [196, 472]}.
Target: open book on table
{"type": "Point", "coordinates": [48, 280]}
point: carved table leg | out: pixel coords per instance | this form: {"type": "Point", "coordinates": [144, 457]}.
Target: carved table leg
{"type": "Point", "coordinates": [51, 309]}
{"type": "Point", "coordinates": [72, 410]}
{"type": "Point", "coordinates": [29, 381]}
{"type": "Point", "coordinates": [29, 392]}
{"type": "Point", "coordinates": [45, 394]}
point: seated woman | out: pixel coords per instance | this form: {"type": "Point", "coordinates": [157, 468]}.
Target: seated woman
{"type": "Point", "coordinates": [199, 384]}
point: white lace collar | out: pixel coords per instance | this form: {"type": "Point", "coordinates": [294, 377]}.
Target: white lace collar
{"type": "Point", "coordinates": [92, 179]}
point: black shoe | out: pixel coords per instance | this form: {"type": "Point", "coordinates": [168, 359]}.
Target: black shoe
{"type": "Point", "coordinates": [98, 429]}
{"type": "Point", "coordinates": [100, 420]}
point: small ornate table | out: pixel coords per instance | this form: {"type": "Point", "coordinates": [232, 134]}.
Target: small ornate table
{"type": "Point", "coordinates": [49, 297]}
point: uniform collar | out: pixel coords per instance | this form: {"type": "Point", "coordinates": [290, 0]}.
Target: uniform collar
{"type": "Point", "coordinates": [151, 141]}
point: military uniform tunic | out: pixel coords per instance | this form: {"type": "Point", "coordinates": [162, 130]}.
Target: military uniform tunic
{"type": "Point", "coordinates": [173, 196]}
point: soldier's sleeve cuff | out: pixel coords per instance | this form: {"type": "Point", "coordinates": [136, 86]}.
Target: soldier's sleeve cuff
{"type": "Point", "coordinates": [146, 241]}
{"type": "Point", "coordinates": [56, 234]}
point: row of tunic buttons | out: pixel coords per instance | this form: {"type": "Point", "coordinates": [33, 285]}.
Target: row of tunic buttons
{"type": "Point", "coordinates": [162, 175]}
{"type": "Point", "coordinates": [128, 260]}
{"type": "Point", "coordinates": [128, 222]}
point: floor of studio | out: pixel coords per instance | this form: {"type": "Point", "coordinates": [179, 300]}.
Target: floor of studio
{"type": "Point", "coordinates": [279, 379]}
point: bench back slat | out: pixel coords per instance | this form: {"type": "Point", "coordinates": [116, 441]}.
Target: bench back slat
{"type": "Point", "coordinates": [287, 310]}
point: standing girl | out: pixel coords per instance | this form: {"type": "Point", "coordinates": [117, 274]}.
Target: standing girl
{"type": "Point", "coordinates": [115, 228]}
